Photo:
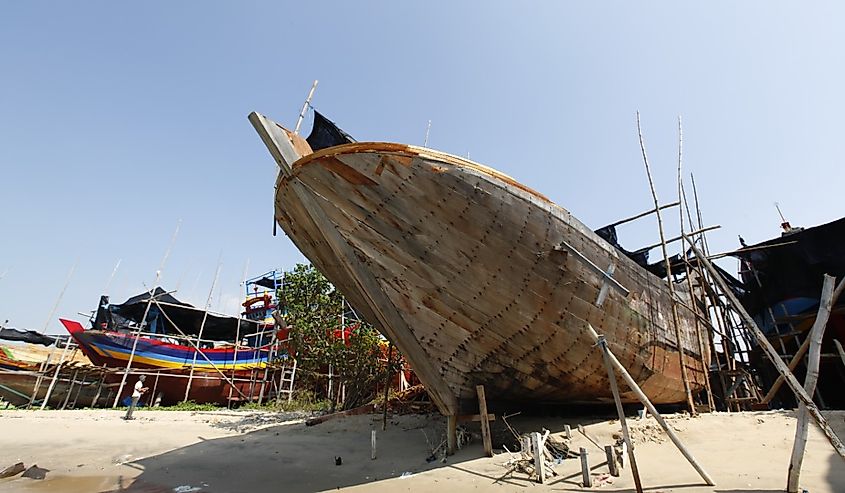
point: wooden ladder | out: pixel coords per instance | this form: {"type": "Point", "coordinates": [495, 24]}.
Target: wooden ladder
{"type": "Point", "coordinates": [286, 381]}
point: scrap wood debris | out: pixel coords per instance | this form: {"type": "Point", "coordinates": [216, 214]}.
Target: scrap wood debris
{"type": "Point", "coordinates": [413, 400]}
{"type": "Point", "coordinates": [553, 450]}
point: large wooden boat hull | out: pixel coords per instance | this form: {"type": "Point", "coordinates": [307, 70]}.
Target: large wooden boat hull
{"type": "Point", "coordinates": [475, 277]}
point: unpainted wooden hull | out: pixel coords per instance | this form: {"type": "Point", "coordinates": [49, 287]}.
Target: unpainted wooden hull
{"type": "Point", "coordinates": [17, 388]}
{"type": "Point", "coordinates": [464, 269]}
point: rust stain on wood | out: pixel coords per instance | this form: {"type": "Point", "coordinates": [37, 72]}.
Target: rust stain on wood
{"type": "Point", "coordinates": [346, 172]}
{"type": "Point", "coordinates": [391, 161]}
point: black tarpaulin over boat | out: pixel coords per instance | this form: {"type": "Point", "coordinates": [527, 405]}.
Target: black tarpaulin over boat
{"type": "Point", "coordinates": [326, 134]}
{"type": "Point", "coordinates": [30, 336]}
{"type": "Point", "coordinates": [186, 317]}
{"type": "Point", "coordinates": [793, 265]}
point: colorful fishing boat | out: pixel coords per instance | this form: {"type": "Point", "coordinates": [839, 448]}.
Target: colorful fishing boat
{"type": "Point", "coordinates": [188, 353]}
{"type": "Point", "coordinates": [476, 278]}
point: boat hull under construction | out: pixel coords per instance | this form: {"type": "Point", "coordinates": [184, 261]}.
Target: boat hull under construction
{"type": "Point", "coordinates": [478, 279]}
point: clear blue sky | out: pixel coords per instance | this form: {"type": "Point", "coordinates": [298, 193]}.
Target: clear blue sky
{"type": "Point", "coordinates": [117, 120]}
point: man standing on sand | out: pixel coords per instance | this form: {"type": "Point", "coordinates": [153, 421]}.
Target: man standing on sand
{"type": "Point", "coordinates": [136, 395]}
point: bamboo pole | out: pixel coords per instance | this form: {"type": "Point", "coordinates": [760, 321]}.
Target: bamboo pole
{"type": "Point", "coordinates": [202, 327]}
{"type": "Point", "coordinates": [840, 350]}
{"type": "Point", "coordinates": [55, 377]}
{"type": "Point", "coordinates": [132, 353]}
{"type": "Point", "coordinates": [146, 311]}
{"type": "Point", "coordinates": [669, 281]}
{"type": "Point", "coordinates": [705, 365]}
{"type": "Point", "coordinates": [70, 388]}
{"type": "Point", "coordinates": [651, 409]}
{"type": "Point", "coordinates": [238, 334]}
{"type": "Point", "coordinates": [621, 413]}
{"type": "Point", "coordinates": [305, 107]}
{"type": "Point", "coordinates": [816, 335]}
{"type": "Point", "coordinates": [641, 214]}
{"type": "Point", "coordinates": [43, 368]}
{"type": "Point", "coordinates": [774, 357]}
{"type": "Point", "coordinates": [197, 349]}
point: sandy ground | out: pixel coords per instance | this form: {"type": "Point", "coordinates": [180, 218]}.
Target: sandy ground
{"type": "Point", "coordinates": [226, 451]}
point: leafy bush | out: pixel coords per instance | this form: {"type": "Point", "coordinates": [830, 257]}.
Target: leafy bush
{"type": "Point", "coordinates": [323, 337]}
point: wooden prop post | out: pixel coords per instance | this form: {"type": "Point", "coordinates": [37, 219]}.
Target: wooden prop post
{"type": "Point", "coordinates": [451, 434]}
{"type": "Point", "coordinates": [621, 413]}
{"type": "Point", "coordinates": [651, 409]}
{"type": "Point", "coordinates": [585, 468]}
{"type": "Point", "coordinates": [612, 466]}
{"type": "Point", "coordinates": [485, 422]}
{"type": "Point", "coordinates": [773, 356]}
{"type": "Point", "coordinates": [816, 335]}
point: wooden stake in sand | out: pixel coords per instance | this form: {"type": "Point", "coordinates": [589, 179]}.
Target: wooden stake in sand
{"type": "Point", "coordinates": [585, 468]}
{"type": "Point", "coordinates": [816, 335]}
{"type": "Point", "coordinates": [373, 445]}
{"type": "Point", "coordinates": [651, 409]}
{"type": "Point", "coordinates": [773, 356]}
{"type": "Point", "coordinates": [538, 447]}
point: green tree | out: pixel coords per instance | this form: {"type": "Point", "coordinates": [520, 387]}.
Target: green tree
{"type": "Point", "coordinates": [314, 311]}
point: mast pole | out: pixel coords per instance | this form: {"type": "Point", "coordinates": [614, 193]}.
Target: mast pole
{"type": "Point", "coordinates": [146, 312]}
{"type": "Point", "coordinates": [305, 107]}
{"type": "Point", "coordinates": [202, 327]}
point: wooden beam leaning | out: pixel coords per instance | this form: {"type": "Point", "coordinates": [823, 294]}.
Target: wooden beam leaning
{"type": "Point", "coordinates": [485, 422]}
{"type": "Point", "coordinates": [840, 350]}
{"type": "Point", "coordinates": [816, 335]}
{"type": "Point", "coordinates": [651, 409]}
{"type": "Point", "coordinates": [605, 351]}
{"type": "Point", "coordinates": [773, 356]}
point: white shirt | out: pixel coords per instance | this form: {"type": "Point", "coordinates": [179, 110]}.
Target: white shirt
{"type": "Point", "coordinates": [138, 386]}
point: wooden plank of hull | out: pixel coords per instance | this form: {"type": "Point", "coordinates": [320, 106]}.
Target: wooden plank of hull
{"type": "Point", "coordinates": [466, 258]}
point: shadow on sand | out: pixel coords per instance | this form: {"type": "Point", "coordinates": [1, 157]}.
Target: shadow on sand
{"type": "Point", "coordinates": [293, 458]}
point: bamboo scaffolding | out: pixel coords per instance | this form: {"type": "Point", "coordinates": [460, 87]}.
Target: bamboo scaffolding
{"type": "Point", "coordinates": [197, 348]}
{"type": "Point", "coordinates": [705, 365]}
{"type": "Point", "coordinates": [669, 282]}
{"type": "Point", "coordinates": [202, 327]}
{"type": "Point", "coordinates": [775, 358]}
